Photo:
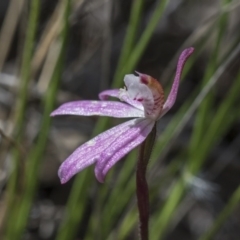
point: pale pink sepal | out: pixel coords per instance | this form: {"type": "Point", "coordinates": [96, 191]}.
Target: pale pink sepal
{"type": "Point", "coordinates": [174, 90]}
{"type": "Point", "coordinates": [121, 146]}
{"type": "Point", "coordinates": [90, 152]}
{"type": "Point", "coordinates": [98, 108]}
{"type": "Point", "coordinates": [104, 95]}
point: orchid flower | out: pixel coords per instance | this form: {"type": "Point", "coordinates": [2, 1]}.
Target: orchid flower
{"type": "Point", "coordinates": [142, 99]}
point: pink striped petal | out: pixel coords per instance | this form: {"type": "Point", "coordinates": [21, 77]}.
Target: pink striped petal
{"type": "Point", "coordinates": [121, 146]}
{"type": "Point", "coordinates": [100, 108]}
{"type": "Point", "coordinates": [173, 93]}
{"type": "Point", "coordinates": [109, 93]}
{"type": "Point", "coordinates": [90, 152]}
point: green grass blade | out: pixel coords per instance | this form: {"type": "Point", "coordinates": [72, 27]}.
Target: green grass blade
{"type": "Point", "coordinates": [130, 39]}
{"type": "Point", "coordinates": [13, 187]}
{"type": "Point", "coordinates": [144, 39]}
{"type": "Point", "coordinates": [204, 112]}
{"type": "Point", "coordinates": [35, 155]}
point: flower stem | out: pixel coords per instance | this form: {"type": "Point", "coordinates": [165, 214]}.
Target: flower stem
{"type": "Point", "coordinates": [141, 183]}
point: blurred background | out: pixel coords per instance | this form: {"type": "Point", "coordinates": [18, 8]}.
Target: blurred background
{"type": "Point", "coordinates": [54, 51]}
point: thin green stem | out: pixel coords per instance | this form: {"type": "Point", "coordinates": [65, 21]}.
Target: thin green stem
{"type": "Point", "coordinates": [25, 74]}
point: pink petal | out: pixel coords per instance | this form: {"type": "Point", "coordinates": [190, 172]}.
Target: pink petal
{"type": "Point", "coordinates": [108, 93]}
{"type": "Point", "coordinates": [100, 108]}
{"type": "Point", "coordinates": [121, 146]}
{"type": "Point", "coordinates": [90, 152]}
{"type": "Point", "coordinates": [173, 93]}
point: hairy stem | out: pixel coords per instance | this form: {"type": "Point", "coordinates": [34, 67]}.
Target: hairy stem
{"type": "Point", "coordinates": [141, 183]}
